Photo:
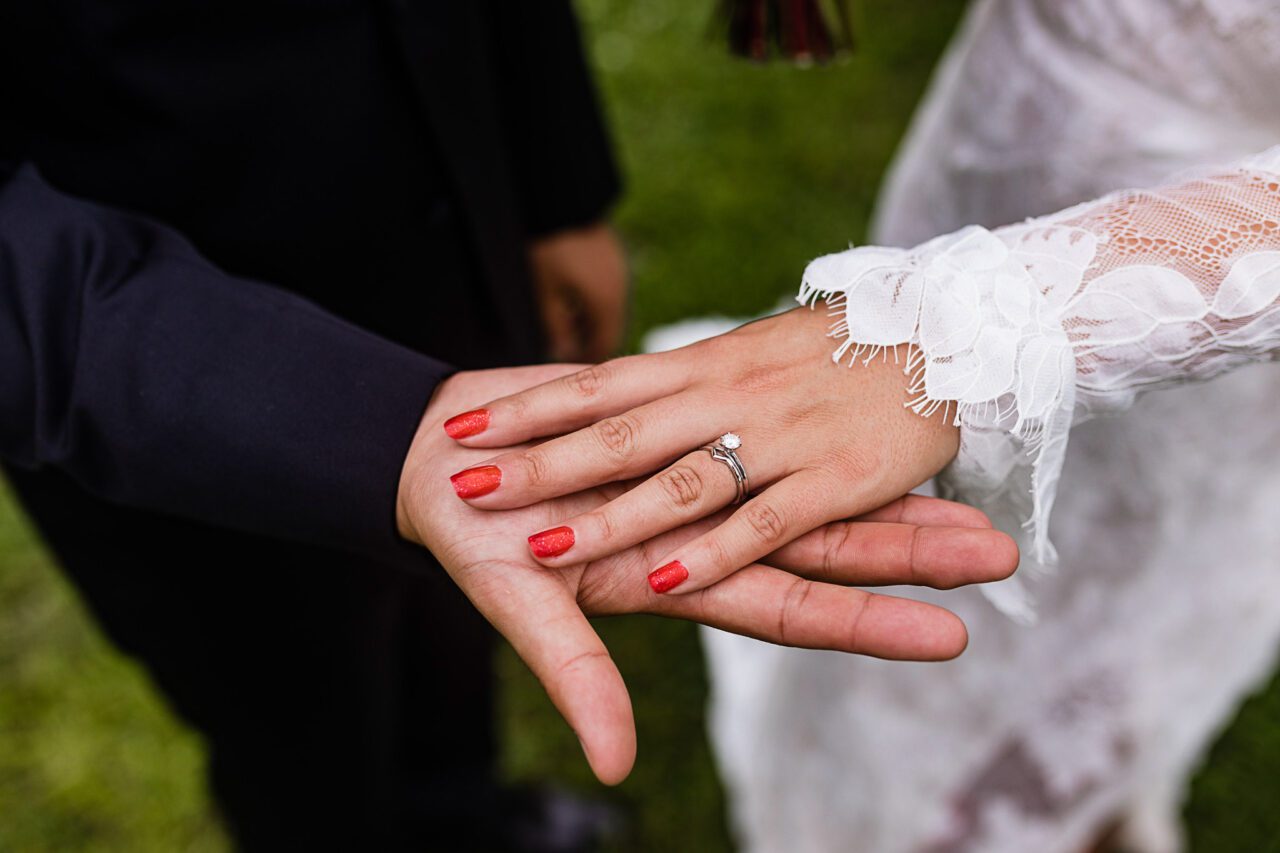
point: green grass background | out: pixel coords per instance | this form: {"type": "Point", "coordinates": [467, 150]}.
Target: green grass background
{"type": "Point", "coordinates": [737, 175]}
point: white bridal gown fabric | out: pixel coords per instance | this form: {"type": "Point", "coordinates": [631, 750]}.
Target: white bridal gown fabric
{"type": "Point", "coordinates": [1163, 610]}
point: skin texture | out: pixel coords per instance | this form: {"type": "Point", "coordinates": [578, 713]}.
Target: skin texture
{"type": "Point", "coordinates": [580, 278]}
{"type": "Point", "coordinates": [796, 596]}
{"type": "Point", "coordinates": [820, 442]}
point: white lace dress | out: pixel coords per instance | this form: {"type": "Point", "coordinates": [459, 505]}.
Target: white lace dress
{"type": "Point", "coordinates": [1090, 689]}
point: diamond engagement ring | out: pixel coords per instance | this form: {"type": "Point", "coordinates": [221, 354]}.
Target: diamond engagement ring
{"type": "Point", "coordinates": [725, 450]}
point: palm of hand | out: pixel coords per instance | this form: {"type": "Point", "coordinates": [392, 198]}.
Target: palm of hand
{"type": "Point", "coordinates": [543, 612]}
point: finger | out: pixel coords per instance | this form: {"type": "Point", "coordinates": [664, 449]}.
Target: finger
{"type": "Point", "coordinates": [876, 553]}
{"type": "Point", "coordinates": [773, 605]}
{"type": "Point", "coordinates": [605, 319]}
{"type": "Point", "coordinates": [923, 509]}
{"type": "Point", "coordinates": [694, 487]}
{"type": "Point", "coordinates": [499, 378]}
{"type": "Point", "coordinates": [762, 525]}
{"type": "Point", "coordinates": [558, 644]}
{"type": "Point", "coordinates": [572, 401]}
{"type": "Point", "coordinates": [616, 448]}
{"type": "Point", "coordinates": [559, 324]}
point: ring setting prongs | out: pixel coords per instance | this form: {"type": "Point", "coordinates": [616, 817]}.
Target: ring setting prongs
{"type": "Point", "coordinates": [725, 450]}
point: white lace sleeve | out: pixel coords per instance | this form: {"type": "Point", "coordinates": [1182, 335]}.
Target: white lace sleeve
{"type": "Point", "coordinates": [1027, 329]}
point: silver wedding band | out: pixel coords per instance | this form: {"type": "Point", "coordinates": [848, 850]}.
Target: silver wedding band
{"type": "Point", "coordinates": [724, 450]}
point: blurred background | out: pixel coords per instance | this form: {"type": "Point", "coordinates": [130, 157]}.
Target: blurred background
{"type": "Point", "coordinates": [737, 174]}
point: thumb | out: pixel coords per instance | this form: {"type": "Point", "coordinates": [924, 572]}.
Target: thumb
{"type": "Point", "coordinates": [569, 658]}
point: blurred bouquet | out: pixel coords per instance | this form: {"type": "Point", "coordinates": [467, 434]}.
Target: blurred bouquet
{"type": "Point", "coordinates": [803, 31]}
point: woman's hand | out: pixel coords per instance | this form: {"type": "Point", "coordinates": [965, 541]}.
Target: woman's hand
{"type": "Point", "coordinates": [797, 596]}
{"type": "Point", "coordinates": [820, 442]}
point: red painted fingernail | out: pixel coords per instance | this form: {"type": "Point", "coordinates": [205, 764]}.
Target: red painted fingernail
{"type": "Point", "coordinates": [467, 424]}
{"type": "Point", "coordinates": [551, 543]}
{"type": "Point", "coordinates": [474, 482]}
{"type": "Point", "coordinates": [668, 577]}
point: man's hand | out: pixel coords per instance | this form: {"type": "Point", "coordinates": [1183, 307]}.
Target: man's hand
{"type": "Point", "coordinates": [581, 281]}
{"type": "Point", "coordinates": [796, 596]}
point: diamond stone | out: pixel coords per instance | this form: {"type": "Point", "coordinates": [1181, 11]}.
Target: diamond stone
{"type": "Point", "coordinates": [730, 441]}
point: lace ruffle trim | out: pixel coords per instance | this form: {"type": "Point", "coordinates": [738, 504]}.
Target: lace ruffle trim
{"type": "Point", "coordinates": [984, 312]}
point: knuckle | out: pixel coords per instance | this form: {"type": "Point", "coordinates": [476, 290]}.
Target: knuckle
{"type": "Point", "coordinates": [854, 463]}
{"type": "Point", "coordinates": [788, 612]}
{"type": "Point", "coordinates": [765, 521]}
{"type": "Point", "coordinates": [682, 485]}
{"type": "Point", "coordinates": [853, 633]}
{"type": "Point", "coordinates": [759, 378]}
{"type": "Point", "coordinates": [718, 555]}
{"type": "Point", "coordinates": [537, 469]}
{"type": "Point", "coordinates": [803, 415]}
{"type": "Point", "coordinates": [577, 663]}
{"type": "Point", "coordinates": [616, 436]}
{"type": "Point", "coordinates": [917, 574]}
{"type": "Point", "coordinates": [590, 382]}
{"type": "Point", "coordinates": [517, 409]}
{"type": "Point", "coordinates": [835, 544]}
{"type": "Point", "coordinates": [606, 530]}
{"type": "Point", "coordinates": [707, 348]}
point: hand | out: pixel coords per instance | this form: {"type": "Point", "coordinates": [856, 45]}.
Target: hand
{"type": "Point", "coordinates": [798, 598]}
{"type": "Point", "coordinates": [820, 442]}
{"type": "Point", "coordinates": [581, 281]}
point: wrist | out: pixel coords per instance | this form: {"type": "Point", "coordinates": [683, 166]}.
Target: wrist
{"type": "Point", "coordinates": [942, 430]}
{"type": "Point", "coordinates": [931, 434]}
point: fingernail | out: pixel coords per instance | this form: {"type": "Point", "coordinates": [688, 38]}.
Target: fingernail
{"type": "Point", "coordinates": [475, 482]}
{"type": "Point", "coordinates": [551, 543]}
{"type": "Point", "coordinates": [467, 424]}
{"type": "Point", "coordinates": [668, 577]}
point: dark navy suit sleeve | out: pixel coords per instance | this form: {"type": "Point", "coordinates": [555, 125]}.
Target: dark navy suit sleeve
{"type": "Point", "coordinates": [157, 381]}
{"type": "Point", "coordinates": [555, 134]}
